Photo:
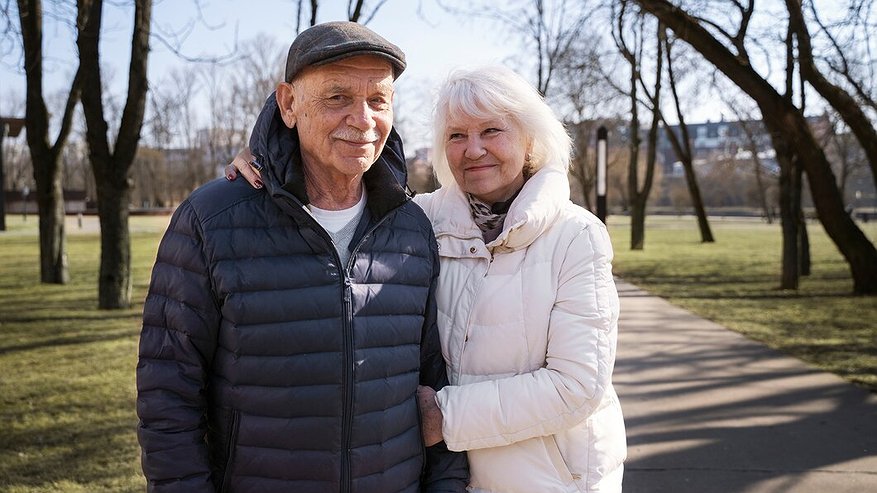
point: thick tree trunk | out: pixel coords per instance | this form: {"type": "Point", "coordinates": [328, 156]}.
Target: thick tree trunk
{"type": "Point", "coordinates": [789, 275]}
{"type": "Point", "coordinates": [784, 122]}
{"type": "Point", "coordinates": [115, 282]}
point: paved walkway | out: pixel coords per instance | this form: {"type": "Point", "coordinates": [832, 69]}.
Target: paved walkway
{"type": "Point", "coordinates": [710, 411]}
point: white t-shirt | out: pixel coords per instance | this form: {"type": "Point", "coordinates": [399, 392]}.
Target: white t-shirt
{"type": "Point", "coordinates": [340, 224]}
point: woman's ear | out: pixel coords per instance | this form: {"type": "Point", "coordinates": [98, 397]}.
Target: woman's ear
{"type": "Point", "coordinates": [285, 95]}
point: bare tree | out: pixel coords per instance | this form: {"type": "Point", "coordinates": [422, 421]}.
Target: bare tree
{"type": "Point", "coordinates": [682, 147]}
{"type": "Point", "coordinates": [45, 154]}
{"type": "Point", "coordinates": [549, 27]}
{"type": "Point", "coordinates": [629, 23]}
{"type": "Point", "coordinates": [789, 132]}
{"type": "Point", "coordinates": [111, 166]}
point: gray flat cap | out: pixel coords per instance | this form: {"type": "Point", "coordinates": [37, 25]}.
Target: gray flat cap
{"type": "Point", "coordinates": [333, 41]}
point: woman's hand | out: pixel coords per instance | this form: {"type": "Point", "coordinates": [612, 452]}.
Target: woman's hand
{"type": "Point", "coordinates": [243, 164]}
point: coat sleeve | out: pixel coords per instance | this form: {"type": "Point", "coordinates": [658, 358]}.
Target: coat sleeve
{"type": "Point", "coordinates": [445, 471]}
{"type": "Point", "coordinates": [582, 333]}
{"type": "Point", "coordinates": [177, 343]}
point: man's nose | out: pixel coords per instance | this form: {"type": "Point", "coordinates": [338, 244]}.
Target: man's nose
{"type": "Point", "coordinates": [361, 116]}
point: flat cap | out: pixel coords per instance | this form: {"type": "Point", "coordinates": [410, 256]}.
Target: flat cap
{"type": "Point", "coordinates": [333, 41]}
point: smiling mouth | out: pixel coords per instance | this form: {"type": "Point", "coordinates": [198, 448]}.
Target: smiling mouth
{"type": "Point", "coordinates": [358, 144]}
{"type": "Point", "coordinates": [482, 167]}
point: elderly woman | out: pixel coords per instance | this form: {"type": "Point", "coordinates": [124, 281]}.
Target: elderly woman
{"type": "Point", "coordinates": [527, 306]}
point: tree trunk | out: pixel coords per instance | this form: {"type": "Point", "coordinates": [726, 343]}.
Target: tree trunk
{"type": "Point", "coordinates": [803, 237]}
{"type": "Point", "coordinates": [115, 283]}
{"type": "Point", "coordinates": [789, 274]}
{"type": "Point", "coordinates": [53, 252]}
{"type": "Point", "coordinates": [637, 224]}
{"type": "Point", "coordinates": [784, 122]}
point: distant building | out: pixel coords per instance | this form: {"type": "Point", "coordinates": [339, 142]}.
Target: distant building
{"type": "Point", "coordinates": [75, 201]}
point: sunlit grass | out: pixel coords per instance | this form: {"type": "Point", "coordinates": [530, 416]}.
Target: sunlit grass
{"type": "Point", "coordinates": [67, 369]}
{"type": "Point", "coordinates": [735, 280]}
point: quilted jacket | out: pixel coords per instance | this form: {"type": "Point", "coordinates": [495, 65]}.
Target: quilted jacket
{"type": "Point", "coordinates": [265, 366]}
{"type": "Point", "coordinates": [529, 325]}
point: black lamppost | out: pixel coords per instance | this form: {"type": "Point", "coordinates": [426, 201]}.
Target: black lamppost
{"type": "Point", "coordinates": [602, 135]}
{"type": "Point", "coordinates": [8, 127]}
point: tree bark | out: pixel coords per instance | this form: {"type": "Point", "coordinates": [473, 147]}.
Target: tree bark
{"type": "Point", "coordinates": [788, 129]}
{"type": "Point", "coordinates": [111, 168]}
{"type": "Point", "coordinates": [45, 156]}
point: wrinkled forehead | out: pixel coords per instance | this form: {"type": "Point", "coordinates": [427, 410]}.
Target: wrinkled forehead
{"type": "Point", "coordinates": [360, 70]}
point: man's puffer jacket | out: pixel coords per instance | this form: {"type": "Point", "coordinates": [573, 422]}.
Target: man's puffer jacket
{"type": "Point", "coordinates": [267, 366]}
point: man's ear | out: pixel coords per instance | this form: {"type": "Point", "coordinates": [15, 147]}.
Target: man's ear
{"type": "Point", "coordinates": [285, 95]}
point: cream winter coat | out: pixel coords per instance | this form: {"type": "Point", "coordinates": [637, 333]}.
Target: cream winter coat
{"type": "Point", "coordinates": [528, 325]}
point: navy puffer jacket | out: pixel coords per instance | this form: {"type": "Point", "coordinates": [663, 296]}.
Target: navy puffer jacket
{"type": "Point", "coordinates": [265, 366]}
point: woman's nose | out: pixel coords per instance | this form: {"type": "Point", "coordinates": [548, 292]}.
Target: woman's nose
{"type": "Point", "coordinates": [474, 148]}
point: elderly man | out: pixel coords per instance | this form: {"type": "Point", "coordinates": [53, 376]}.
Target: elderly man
{"type": "Point", "coordinates": [285, 333]}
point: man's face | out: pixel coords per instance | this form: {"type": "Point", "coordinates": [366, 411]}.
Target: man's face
{"type": "Point", "coordinates": [343, 112]}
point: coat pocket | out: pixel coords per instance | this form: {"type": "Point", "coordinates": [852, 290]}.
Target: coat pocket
{"type": "Point", "coordinates": [233, 426]}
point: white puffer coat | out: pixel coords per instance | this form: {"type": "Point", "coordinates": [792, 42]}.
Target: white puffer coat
{"type": "Point", "coordinates": [528, 325]}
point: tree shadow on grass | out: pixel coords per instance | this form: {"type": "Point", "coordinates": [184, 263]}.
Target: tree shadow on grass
{"type": "Point", "coordinates": [99, 455]}
{"type": "Point", "coordinates": [68, 341]}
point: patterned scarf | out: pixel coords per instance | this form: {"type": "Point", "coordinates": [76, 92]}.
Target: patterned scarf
{"type": "Point", "coordinates": [490, 219]}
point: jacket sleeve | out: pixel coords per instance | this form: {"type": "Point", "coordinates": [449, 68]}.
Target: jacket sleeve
{"type": "Point", "coordinates": [581, 340]}
{"type": "Point", "coordinates": [445, 471]}
{"type": "Point", "coordinates": [177, 342]}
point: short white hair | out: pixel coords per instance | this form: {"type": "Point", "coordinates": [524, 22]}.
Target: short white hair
{"type": "Point", "coordinates": [496, 91]}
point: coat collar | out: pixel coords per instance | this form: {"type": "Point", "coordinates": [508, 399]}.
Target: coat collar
{"type": "Point", "coordinates": [534, 211]}
{"type": "Point", "coordinates": [277, 148]}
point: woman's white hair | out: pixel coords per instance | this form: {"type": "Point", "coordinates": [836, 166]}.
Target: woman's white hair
{"type": "Point", "coordinates": [496, 91]}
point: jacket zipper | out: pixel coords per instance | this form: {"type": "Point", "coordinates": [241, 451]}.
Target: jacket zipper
{"type": "Point", "coordinates": [347, 328]}
{"type": "Point", "coordinates": [347, 349]}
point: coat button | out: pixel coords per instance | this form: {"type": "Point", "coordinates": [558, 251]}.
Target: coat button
{"type": "Point", "coordinates": [472, 249]}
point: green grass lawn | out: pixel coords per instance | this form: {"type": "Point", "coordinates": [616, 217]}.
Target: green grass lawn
{"type": "Point", "coordinates": [67, 369]}
{"type": "Point", "coordinates": [735, 281]}
{"type": "Point", "coordinates": [67, 420]}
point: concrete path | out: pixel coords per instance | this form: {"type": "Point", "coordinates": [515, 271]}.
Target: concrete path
{"type": "Point", "coordinates": [710, 411]}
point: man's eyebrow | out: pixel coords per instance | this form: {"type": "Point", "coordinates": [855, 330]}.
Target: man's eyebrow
{"type": "Point", "coordinates": [334, 86]}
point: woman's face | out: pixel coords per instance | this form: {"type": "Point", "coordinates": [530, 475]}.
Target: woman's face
{"type": "Point", "coordinates": [486, 156]}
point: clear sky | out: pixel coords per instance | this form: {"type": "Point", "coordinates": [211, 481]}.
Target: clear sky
{"type": "Point", "coordinates": [434, 43]}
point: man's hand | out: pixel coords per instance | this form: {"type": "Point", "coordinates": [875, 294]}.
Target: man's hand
{"type": "Point", "coordinates": [430, 416]}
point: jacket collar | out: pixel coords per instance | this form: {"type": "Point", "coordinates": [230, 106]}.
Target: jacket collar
{"type": "Point", "coordinates": [276, 147]}
{"type": "Point", "coordinates": [534, 210]}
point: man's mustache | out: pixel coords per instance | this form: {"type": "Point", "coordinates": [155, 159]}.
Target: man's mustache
{"type": "Point", "coordinates": [353, 135]}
